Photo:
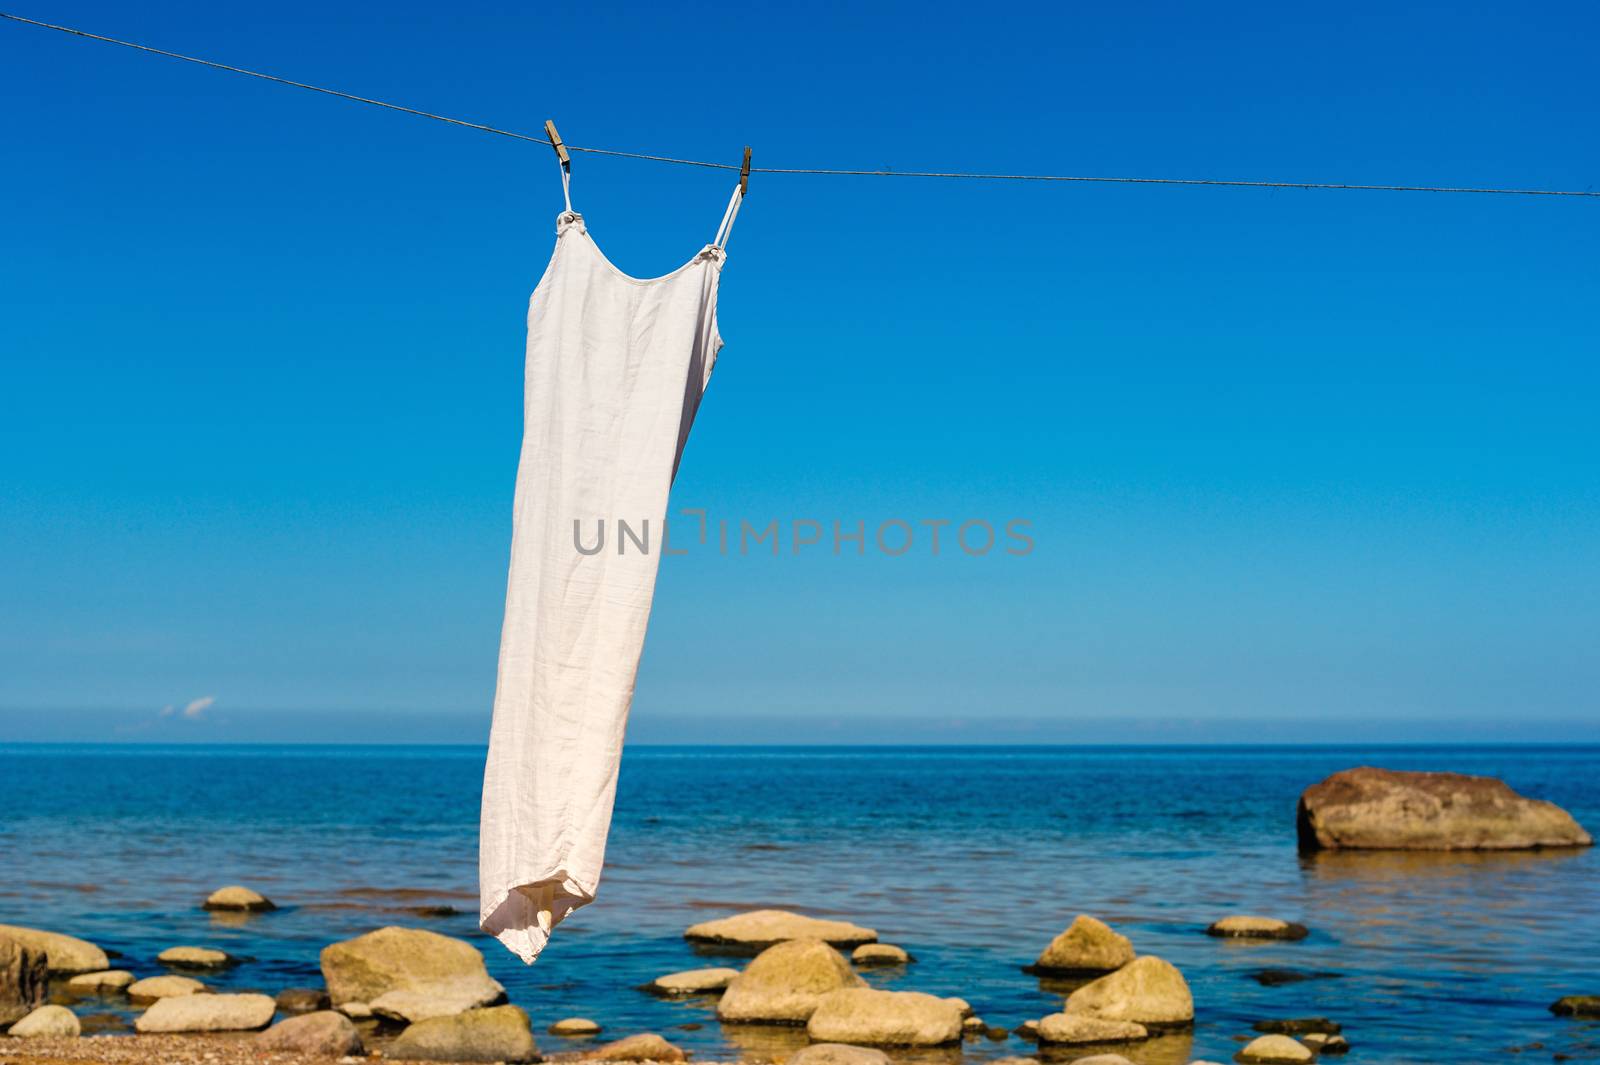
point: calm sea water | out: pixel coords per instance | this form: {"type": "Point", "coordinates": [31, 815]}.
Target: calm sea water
{"type": "Point", "coordinates": [970, 858]}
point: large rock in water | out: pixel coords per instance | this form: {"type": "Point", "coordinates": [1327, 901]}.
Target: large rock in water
{"type": "Point", "coordinates": [196, 958]}
{"type": "Point", "coordinates": [63, 954]}
{"type": "Point", "coordinates": [207, 1013]}
{"type": "Point", "coordinates": [871, 1017]}
{"type": "Point", "coordinates": [1576, 1006]}
{"type": "Point", "coordinates": [784, 984]}
{"type": "Point", "coordinates": [152, 988]}
{"type": "Point", "coordinates": [1244, 926]}
{"type": "Point", "coordinates": [1147, 991]}
{"type": "Point", "coordinates": [646, 1046]}
{"type": "Point", "coordinates": [47, 1021]}
{"type": "Point", "coordinates": [1087, 946]}
{"type": "Point", "coordinates": [1078, 1029]}
{"type": "Point", "coordinates": [238, 898]}
{"type": "Point", "coordinates": [1382, 809]}
{"type": "Point", "coordinates": [497, 1034]}
{"type": "Point", "coordinates": [876, 954]}
{"type": "Point", "coordinates": [101, 983]}
{"type": "Point", "coordinates": [439, 1000]}
{"type": "Point", "coordinates": [22, 980]}
{"type": "Point", "coordinates": [1321, 1043]}
{"type": "Point", "coordinates": [693, 982]}
{"type": "Point", "coordinates": [838, 1054]}
{"type": "Point", "coordinates": [759, 929]}
{"type": "Point", "coordinates": [322, 1034]}
{"type": "Point", "coordinates": [574, 1027]}
{"type": "Point", "coordinates": [422, 966]}
{"type": "Point", "coordinates": [1274, 1050]}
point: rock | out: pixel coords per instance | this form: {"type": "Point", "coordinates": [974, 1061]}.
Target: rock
{"type": "Point", "coordinates": [391, 959]}
{"type": "Point", "coordinates": [973, 1025]}
{"type": "Point", "coordinates": [574, 1026]}
{"type": "Point", "coordinates": [1280, 977]}
{"type": "Point", "coordinates": [961, 1004]}
{"type": "Point", "coordinates": [1299, 1026]}
{"type": "Point", "coordinates": [303, 999]}
{"type": "Point", "coordinates": [322, 1034]}
{"type": "Point", "coordinates": [1015, 1061]}
{"type": "Point", "coordinates": [63, 954]}
{"type": "Point", "coordinates": [1274, 1050]}
{"type": "Point", "coordinates": [1028, 1030]}
{"type": "Point", "coordinates": [880, 954]}
{"type": "Point", "coordinates": [500, 1033]}
{"type": "Point", "coordinates": [1102, 1059]}
{"type": "Point", "coordinates": [1576, 1006]}
{"type": "Point", "coordinates": [784, 983]}
{"type": "Point", "coordinates": [23, 979]}
{"type": "Point", "coordinates": [47, 1021]}
{"type": "Point", "coordinates": [238, 898]}
{"type": "Point", "coordinates": [884, 1018]}
{"type": "Point", "coordinates": [356, 1011]}
{"type": "Point", "coordinates": [1146, 991]}
{"type": "Point", "coordinates": [442, 1000]}
{"type": "Point", "coordinates": [996, 1033]}
{"type": "Point", "coordinates": [1072, 1028]}
{"type": "Point", "coordinates": [759, 929]}
{"type": "Point", "coordinates": [839, 1054]}
{"type": "Point", "coordinates": [1323, 1043]}
{"type": "Point", "coordinates": [101, 982]}
{"type": "Point", "coordinates": [207, 1013]}
{"type": "Point", "coordinates": [1245, 927]}
{"type": "Point", "coordinates": [153, 988]}
{"type": "Point", "coordinates": [647, 1046]}
{"type": "Point", "coordinates": [1381, 809]}
{"type": "Point", "coordinates": [196, 958]}
{"type": "Point", "coordinates": [693, 982]}
{"type": "Point", "coordinates": [1087, 946]}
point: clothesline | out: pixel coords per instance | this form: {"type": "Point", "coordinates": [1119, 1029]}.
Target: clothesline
{"type": "Point", "coordinates": [793, 170]}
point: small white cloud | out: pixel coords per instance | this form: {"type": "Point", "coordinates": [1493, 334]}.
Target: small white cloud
{"type": "Point", "coordinates": [168, 710]}
{"type": "Point", "coordinates": [196, 709]}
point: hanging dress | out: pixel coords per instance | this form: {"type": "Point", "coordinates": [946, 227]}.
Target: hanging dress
{"type": "Point", "coordinates": [616, 367]}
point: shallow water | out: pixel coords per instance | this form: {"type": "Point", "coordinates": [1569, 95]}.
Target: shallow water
{"type": "Point", "coordinates": [971, 858]}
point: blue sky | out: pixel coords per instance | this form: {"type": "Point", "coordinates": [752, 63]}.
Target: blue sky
{"type": "Point", "coordinates": [1296, 465]}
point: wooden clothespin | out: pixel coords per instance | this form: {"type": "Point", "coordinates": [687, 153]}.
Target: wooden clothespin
{"type": "Point", "coordinates": [555, 142]}
{"type": "Point", "coordinates": [744, 173]}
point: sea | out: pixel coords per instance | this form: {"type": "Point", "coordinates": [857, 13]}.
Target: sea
{"type": "Point", "coordinates": [972, 859]}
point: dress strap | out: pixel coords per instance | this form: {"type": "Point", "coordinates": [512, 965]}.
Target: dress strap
{"type": "Point", "coordinates": [566, 183]}
{"type": "Point", "coordinates": [721, 239]}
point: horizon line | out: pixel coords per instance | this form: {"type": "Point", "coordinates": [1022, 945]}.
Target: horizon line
{"type": "Point", "coordinates": [863, 744]}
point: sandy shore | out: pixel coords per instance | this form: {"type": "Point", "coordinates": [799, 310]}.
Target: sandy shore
{"type": "Point", "coordinates": [156, 1050]}
{"type": "Point", "coordinates": [117, 1050]}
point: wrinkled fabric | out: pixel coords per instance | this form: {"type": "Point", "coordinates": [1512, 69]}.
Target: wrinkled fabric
{"type": "Point", "coordinates": [616, 367]}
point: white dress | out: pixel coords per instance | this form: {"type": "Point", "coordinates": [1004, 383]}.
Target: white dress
{"type": "Point", "coordinates": [616, 367]}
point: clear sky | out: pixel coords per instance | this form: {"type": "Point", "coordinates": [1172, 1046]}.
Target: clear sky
{"type": "Point", "coordinates": [1296, 465]}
